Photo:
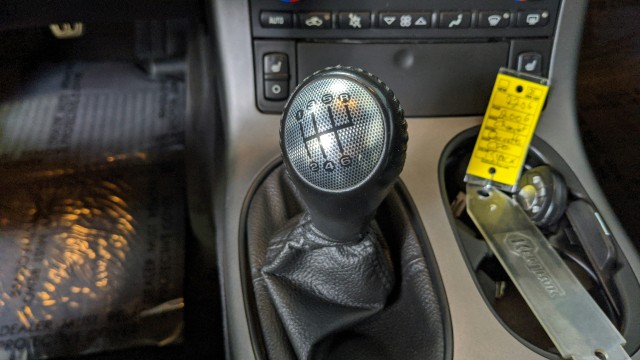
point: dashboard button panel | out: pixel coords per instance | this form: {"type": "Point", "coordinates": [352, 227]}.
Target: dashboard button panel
{"type": "Point", "coordinates": [403, 19]}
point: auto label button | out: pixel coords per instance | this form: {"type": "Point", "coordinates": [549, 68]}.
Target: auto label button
{"type": "Point", "coordinates": [315, 20]}
{"type": "Point", "coordinates": [276, 19]}
{"type": "Point", "coordinates": [494, 19]}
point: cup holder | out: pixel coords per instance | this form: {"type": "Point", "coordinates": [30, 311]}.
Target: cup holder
{"type": "Point", "coordinates": [598, 263]}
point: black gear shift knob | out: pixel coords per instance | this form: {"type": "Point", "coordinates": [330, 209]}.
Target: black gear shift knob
{"type": "Point", "coordinates": [343, 137]}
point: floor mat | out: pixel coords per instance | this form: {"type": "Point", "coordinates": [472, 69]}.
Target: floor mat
{"type": "Point", "coordinates": [92, 213]}
{"type": "Point", "coordinates": [86, 112]}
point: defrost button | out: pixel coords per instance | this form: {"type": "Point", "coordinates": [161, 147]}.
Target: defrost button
{"type": "Point", "coordinates": [533, 18]}
{"type": "Point", "coordinates": [494, 19]}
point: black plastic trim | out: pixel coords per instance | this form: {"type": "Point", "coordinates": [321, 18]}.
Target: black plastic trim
{"type": "Point", "coordinates": [250, 306]}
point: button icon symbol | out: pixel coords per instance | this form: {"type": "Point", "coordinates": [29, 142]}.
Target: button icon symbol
{"type": "Point", "coordinates": [405, 20]}
{"type": "Point", "coordinates": [456, 22]}
{"type": "Point", "coordinates": [389, 19]}
{"type": "Point", "coordinates": [355, 21]}
{"type": "Point", "coordinates": [276, 20]}
{"type": "Point", "coordinates": [314, 21]}
{"type": "Point", "coordinates": [531, 66]}
{"type": "Point", "coordinates": [494, 20]}
{"type": "Point", "coordinates": [276, 89]}
{"type": "Point", "coordinates": [421, 21]}
{"type": "Point", "coordinates": [276, 67]}
{"type": "Point", "coordinates": [533, 19]}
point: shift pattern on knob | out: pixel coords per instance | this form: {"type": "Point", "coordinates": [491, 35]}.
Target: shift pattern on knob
{"type": "Point", "coordinates": [334, 133]}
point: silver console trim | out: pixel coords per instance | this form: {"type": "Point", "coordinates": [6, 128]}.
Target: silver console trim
{"type": "Point", "coordinates": [251, 142]}
{"type": "Point", "coordinates": [477, 334]}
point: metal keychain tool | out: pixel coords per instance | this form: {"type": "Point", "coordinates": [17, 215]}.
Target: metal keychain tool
{"type": "Point", "coordinates": [572, 319]}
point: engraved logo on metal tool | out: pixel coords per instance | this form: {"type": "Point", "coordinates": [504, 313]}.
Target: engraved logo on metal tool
{"type": "Point", "coordinates": [522, 246]}
{"type": "Point", "coordinates": [334, 134]}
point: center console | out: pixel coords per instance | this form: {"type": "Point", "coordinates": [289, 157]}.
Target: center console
{"type": "Point", "coordinates": [440, 58]}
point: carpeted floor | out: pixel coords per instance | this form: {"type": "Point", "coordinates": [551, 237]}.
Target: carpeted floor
{"type": "Point", "coordinates": [608, 92]}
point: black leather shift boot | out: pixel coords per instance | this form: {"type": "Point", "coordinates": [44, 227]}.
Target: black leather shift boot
{"type": "Point", "coordinates": [319, 286]}
{"type": "Point", "coordinates": [319, 299]}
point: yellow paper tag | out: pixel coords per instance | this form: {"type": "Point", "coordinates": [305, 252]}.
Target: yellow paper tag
{"type": "Point", "coordinates": [507, 128]}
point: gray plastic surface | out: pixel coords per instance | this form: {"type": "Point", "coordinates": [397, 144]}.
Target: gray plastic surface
{"type": "Point", "coordinates": [252, 141]}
